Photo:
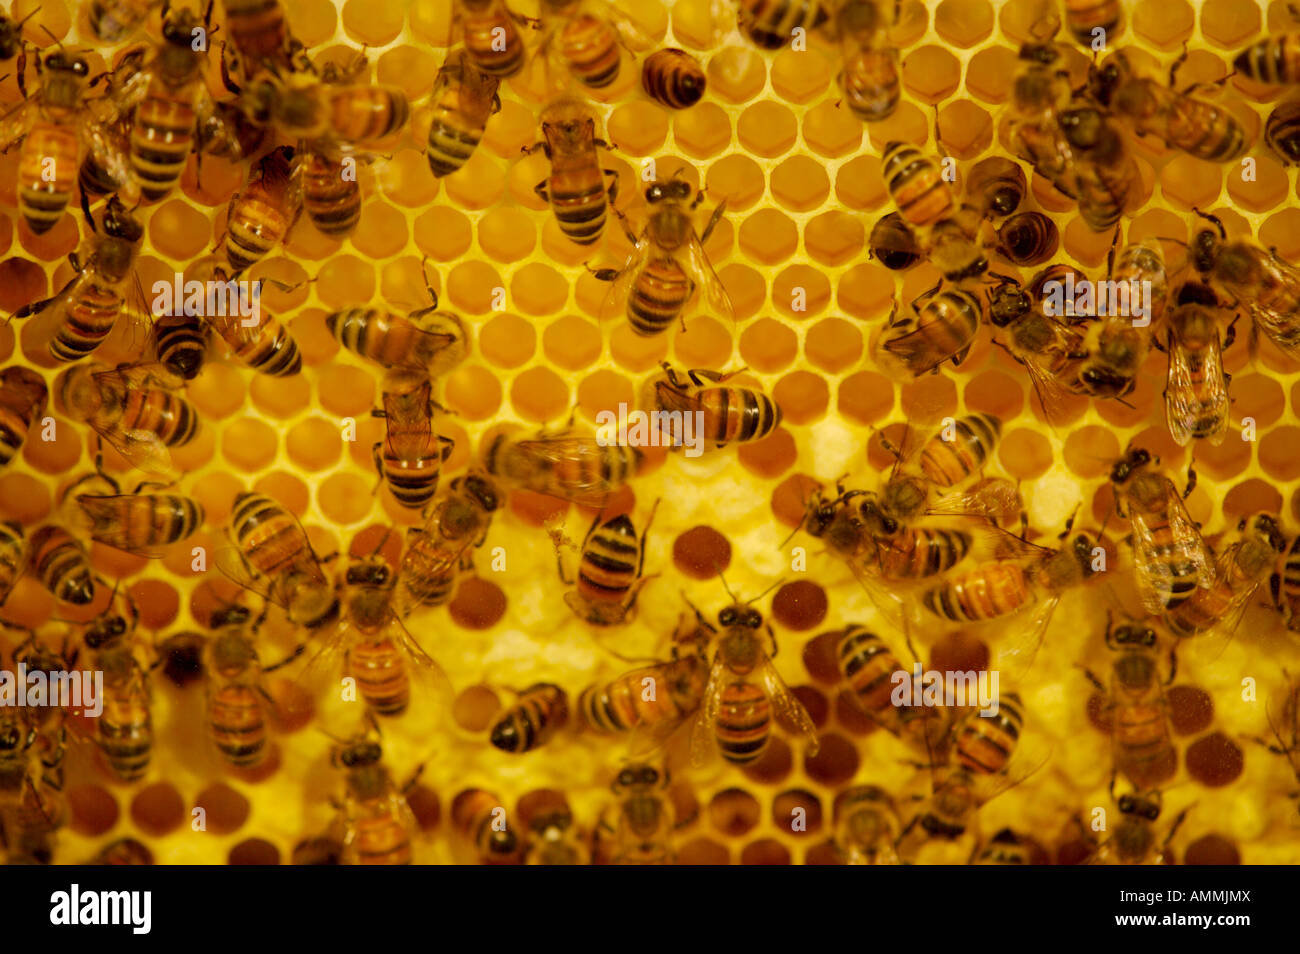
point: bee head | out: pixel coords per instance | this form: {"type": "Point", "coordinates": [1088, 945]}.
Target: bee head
{"type": "Point", "coordinates": [641, 776]}
{"type": "Point", "coordinates": [1103, 82]}
{"type": "Point", "coordinates": [357, 753]}
{"type": "Point", "coordinates": [105, 629]}
{"type": "Point", "coordinates": [483, 490]}
{"type": "Point", "coordinates": [675, 190]}
{"type": "Point", "coordinates": [1130, 463]}
{"type": "Point", "coordinates": [740, 615]}
{"type": "Point", "coordinates": [120, 223]}
{"type": "Point", "coordinates": [1140, 807]}
{"type": "Point", "coordinates": [1007, 303]}
{"type": "Point", "coordinates": [178, 28]}
{"type": "Point", "coordinates": [1082, 546]}
{"type": "Point", "coordinates": [62, 62]}
{"type": "Point", "coordinates": [1265, 527]}
{"type": "Point", "coordinates": [1134, 635]}
{"type": "Point", "coordinates": [372, 571]}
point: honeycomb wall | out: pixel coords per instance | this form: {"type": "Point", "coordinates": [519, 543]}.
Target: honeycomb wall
{"type": "Point", "coordinates": [801, 178]}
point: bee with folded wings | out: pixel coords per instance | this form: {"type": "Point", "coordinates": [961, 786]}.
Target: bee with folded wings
{"type": "Point", "coordinates": [377, 822]}
{"type": "Point", "coordinates": [667, 263]}
{"type": "Point", "coordinates": [743, 688]}
{"type": "Point", "coordinates": [1196, 391]}
{"type": "Point", "coordinates": [609, 577]}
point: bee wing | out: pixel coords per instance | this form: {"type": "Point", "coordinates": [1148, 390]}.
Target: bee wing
{"type": "Point", "coordinates": [1052, 394]}
{"type": "Point", "coordinates": [1016, 657]}
{"type": "Point", "coordinates": [998, 498]}
{"type": "Point", "coordinates": [425, 670]}
{"type": "Point", "coordinates": [703, 739]}
{"type": "Point", "coordinates": [788, 706]}
{"type": "Point", "coordinates": [106, 142]}
{"type": "Point", "coordinates": [630, 32]}
{"type": "Point", "coordinates": [1182, 406]}
{"type": "Point", "coordinates": [230, 561]}
{"type": "Point", "coordinates": [1154, 576]}
{"type": "Point", "coordinates": [1207, 647]}
{"type": "Point", "coordinates": [615, 300]}
{"type": "Point", "coordinates": [214, 129]}
{"type": "Point", "coordinates": [16, 124]}
{"type": "Point", "coordinates": [144, 449]}
{"type": "Point", "coordinates": [890, 600]}
{"type": "Point", "coordinates": [319, 681]}
{"type": "Point", "coordinates": [700, 269]}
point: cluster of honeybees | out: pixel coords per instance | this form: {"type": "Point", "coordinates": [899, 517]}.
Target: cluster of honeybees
{"type": "Point", "coordinates": [125, 136]}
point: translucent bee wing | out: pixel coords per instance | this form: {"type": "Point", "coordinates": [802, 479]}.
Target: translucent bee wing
{"type": "Point", "coordinates": [144, 449]}
{"type": "Point", "coordinates": [230, 561]}
{"type": "Point", "coordinates": [319, 681]}
{"type": "Point", "coordinates": [704, 741]}
{"type": "Point", "coordinates": [217, 131]}
{"type": "Point", "coordinates": [1184, 406]}
{"type": "Point", "coordinates": [996, 498]}
{"type": "Point", "coordinates": [788, 706]}
{"type": "Point", "coordinates": [431, 688]}
{"type": "Point", "coordinates": [889, 599]}
{"type": "Point", "coordinates": [16, 124]}
{"type": "Point", "coordinates": [700, 269]}
{"type": "Point", "coordinates": [1052, 394]}
{"type": "Point", "coordinates": [1016, 657]}
{"type": "Point", "coordinates": [1154, 577]}
{"type": "Point", "coordinates": [615, 301]}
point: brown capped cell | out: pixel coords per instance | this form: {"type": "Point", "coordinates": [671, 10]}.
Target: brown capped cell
{"type": "Point", "coordinates": [478, 603]}
{"type": "Point", "coordinates": [157, 809]}
{"type": "Point", "coordinates": [701, 553]}
{"type": "Point", "coordinates": [254, 851]}
{"type": "Point", "coordinates": [850, 715]}
{"type": "Point", "coordinates": [734, 812]}
{"type": "Point", "coordinates": [1215, 760]}
{"type": "Point", "coordinates": [821, 657]}
{"type": "Point", "coordinates": [317, 851]}
{"type": "Point", "coordinates": [1212, 850]}
{"type": "Point", "coordinates": [703, 851]}
{"type": "Point", "coordinates": [771, 456]}
{"type": "Point", "coordinates": [959, 652]}
{"type": "Point", "coordinates": [93, 810]}
{"type": "Point", "coordinates": [773, 765]}
{"type": "Point", "coordinates": [226, 810]}
{"type": "Point", "coordinates": [800, 605]}
{"type": "Point", "coordinates": [475, 707]}
{"type": "Point", "coordinates": [425, 806]}
{"type": "Point", "coordinates": [798, 812]}
{"type": "Point", "coordinates": [766, 851]}
{"type": "Point", "coordinates": [823, 854]}
{"type": "Point", "coordinates": [1191, 709]}
{"type": "Point", "coordinates": [835, 763]}
{"type": "Point", "coordinates": [813, 701]}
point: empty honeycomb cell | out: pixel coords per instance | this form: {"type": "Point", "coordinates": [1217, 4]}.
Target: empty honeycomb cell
{"type": "Point", "coordinates": [767, 129]}
{"type": "Point", "coordinates": [507, 235]}
{"type": "Point", "coordinates": [996, 393]}
{"type": "Point", "coordinates": [928, 399]}
{"type": "Point", "coordinates": [21, 281]}
{"type": "Point", "coordinates": [571, 342]}
{"type": "Point", "coordinates": [381, 231]}
{"type": "Point", "coordinates": [831, 132]}
{"type": "Point", "coordinates": [249, 444]}
{"type": "Point", "coordinates": [1164, 23]}
{"type": "Point", "coordinates": [768, 236]}
{"type": "Point", "coordinates": [860, 185]}
{"type": "Point", "coordinates": [865, 397]}
{"type": "Point", "coordinates": [1189, 182]}
{"type": "Point", "coordinates": [634, 352]}
{"type": "Point", "coordinates": [737, 179]}
{"type": "Point", "coordinates": [638, 128]}
{"type": "Point", "coordinates": [989, 74]}
{"type": "Point", "coordinates": [1251, 497]}
{"type": "Point", "coordinates": [345, 390]}
{"type": "Point", "coordinates": [706, 343]}
{"type": "Point", "coordinates": [800, 605]}
{"type": "Point", "coordinates": [1282, 232]}
{"type": "Point", "coordinates": [1025, 454]}
{"type": "Point", "coordinates": [799, 291]}
{"type": "Point", "coordinates": [92, 810]}
{"type": "Point", "coordinates": [254, 851]}
{"type": "Point", "coordinates": [407, 67]}
{"type": "Point", "coordinates": [54, 244]}
{"type": "Point", "coordinates": [799, 75]}
{"type": "Point", "coordinates": [965, 128]}
{"type": "Point", "coordinates": [177, 230]}
{"type": "Point", "coordinates": [280, 397]}
{"type": "Point", "coordinates": [1273, 359]}
{"type": "Point", "coordinates": [313, 336]}
{"type": "Point", "coordinates": [770, 457]}
{"type": "Point", "coordinates": [604, 391]}
{"type": "Point", "coordinates": [345, 280]}
{"type": "Point", "coordinates": [56, 455]}
{"type": "Point", "coordinates": [1257, 398]}
{"type": "Point", "coordinates": [1265, 190]}
{"type": "Point", "coordinates": [286, 489]}
{"type": "Point", "coordinates": [1214, 760]}
{"type": "Point", "coordinates": [767, 345]}
{"type": "Point", "coordinates": [773, 766]}
{"type": "Point", "coordinates": [802, 396]}
{"type": "Point", "coordinates": [29, 604]}
{"type": "Point", "coordinates": [442, 233]}
{"type": "Point", "coordinates": [1227, 460]}
{"type": "Point", "coordinates": [746, 288]}
{"type": "Point", "coordinates": [539, 394]}
{"type": "Point", "coordinates": [964, 22]}
{"type": "Point", "coordinates": [703, 131]}
{"type": "Point", "coordinates": [1212, 850]}
{"type": "Point", "coordinates": [734, 74]}
{"type": "Point", "coordinates": [765, 851]}
{"type": "Point", "coordinates": [703, 851]}
{"type": "Point", "coordinates": [157, 601]}
{"type": "Point", "coordinates": [734, 812]}
{"type": "Point", "coordinates": [536, 289]}
{"type": "Point", "coordinates": [834, 237]}
{"type": "Point", "coordinates": [821, 655]}
{"type": "Point", "coordinates": [1089, 452]}
{"type": "Point", "coordinates": [114, 563]}
{"type": "Point", "coordinates": [226, 810]}
{"type": "Point", "coordinates": [157, 809]}
{"type": "Point", "coordinates": [1190, 709]}
{"type": "Point", "coordinates": [314, 443]}
{"type": "Point", "coordinates": [406, 181]}
{"type": "Point", "coordinates": [833, 345]}
{"type": "Point", "coordinates": [475, 708]}
{"type": "Point", "coordinates": [344, 498]}
{"type": "Point", "coordinates": [1227, 24]}
{"type": "Point", "coordinates": [478, 603]}
{"type": "Point", "coordinates": [1277, 453]}
{"type": "Point", "coordinates": [865, 291]}
{"type": "Point", "coordinates": [373, 24]}
{"type": "Point", "coordinates": [473, 392]}
{"type": "Point", "coordinates": [479, 184]}
{"type": "Point", "coordinates": [1085, 246]}
{"type": "Point", "coordinates": [800, 183]}
{"type": "Point", "coordinates": [835, 763]}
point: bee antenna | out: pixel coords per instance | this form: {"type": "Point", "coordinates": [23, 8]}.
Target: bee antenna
{"type": "Point", "coordinates": [721, 577]}
{"type": "Point", "coordinates": [20, 23]}
{"type": "Point", "coordinates": [797, 527]}
{"type": "Point", "coordinates": [428, 285]}
{"type": "Point", "coordinates": [755, 599]}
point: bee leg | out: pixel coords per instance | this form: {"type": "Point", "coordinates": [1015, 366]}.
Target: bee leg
{"type": "Point", "coordinates": [1175, 66]}
{"type": "Point", "coordinates": [22, 69]}
{"type": "Point", "coordinates": [1191, 478]}
{"type": "Point", "coordinates": [1096, 683]}
{"type": "Point", "coordinates": [540, 189]}
{"type": "Point", "coordinates": [377, 455]}
{"type": "Point", "coordinates": [448, 445]}
{"type": "Point", "coordinates": [1230, 335]}
{"type": "Point", "coordinates": [411, 782]}
{"type": "Point", "coordinates": [612, 190]}
{"type": "Point", "coordinates": [1173, 829]}
{"type": "Point", "coordinates": [226, 80]}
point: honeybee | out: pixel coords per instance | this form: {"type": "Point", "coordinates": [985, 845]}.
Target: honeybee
{"type": "Point", "coordinates": [870, 73]}
{"type": "Point", "coordinates": [563, 464]}
{"type": "Point", "coordinates": [168, 101]}
{"type": "Point", "coordinates": [23, 398]}
{"type": "Point", "coordinates": [1260, 282]}
{"type": "Point", "coordinates": [143, 524]}
{"type": "Point", "coordinates": [729, 413]}
{"type": "Point", "coordinates": [1105, 172]}
{"type": "Point", "coordinates": [866, 826]}
{"type": "Point", "coordinates": [376, 649]}
{"type": "Point", "coordinates": [1284, 585]}
{"type": "Point", "coordinates": [481, 820]}
{"type": "Point", "coordinates": [77, 320]}
{"type": "Point", "coordinates": [1196, 392]}
{"type": "Point", "coordinates": [554, 839]}
{"type": "Point", "coordinates": [239, 708]}
{"type": "Point", "coordinates": [997, 185]}
{"type": "Point", "coordinates": [1083, 18]}
{"type": "Point", "coordinates": [331, 199]}
{"type": "Point", "coordinates": [941, 328]}
{"type": "Point", "coordinates": [56, 129]}
{"type": "Point", "coordinates": [643, 833]}
{"type": "Point", "coordinates": [1282, 131]}
{"type": "Point", "coordinates": [273, 557]}
{"type": "Point", "coordinates": [1274, 60]}
{"type": "Point", "coordinates": [586, 37]}
{"type": "Point", "coordinates": [736, 717]}
{"type": "Point", "coordinates": [770, 24]}
{"type": "Point", "coordinates": [1285, 729]}
{"type": "Point", "coordinates": [259, 33]}
{"type": "Point", "coordinates": [1043, 346]}
{"type": "Point", "coordinates": [575, 189]}
{"type": "Point", "coordinates": [1039, 92]}
{"type": "Point", "coordinates": [1144, 263]}
{"type": "Point", "coordinates": [132, 409]}
{"type": "Point", "coordinates": [1141, 743]}
{"type": "Point", "coordinates": [29, 778]}
{"type": "Point", "coordinates": [378, 824]}
{"type": "Point", "coordinates": [62, 565]}
{"type": "Point", "coordinates": [262, 342]}
{"type": "Point", "coordinates": [180, 344]}
{"type": "Point", "coordinates": [426, 340]}
{"type": "Point", "coordinates": [464, 99]}
{"type": "Point", "coordinates": [1112, 354]}
{"type": "Point", "coordinates": [1238, 572]}
{"type": "Point", "coordinates": [114, 20]}
{"type": "Point", "coordinates": [609, 577]}
{"type": "Point", "coordinates": [673, 78]}
{"type": "Point", "coordinates": [870, 671]}
{"type": "Point", "coordinates": [490, 30]}
{"type": "Point", "coordinates": [916, 185]}
{"type": "Point", "coordinates": [13, 556]}
{"type": "Point", "coordinates": [1028, 238]}
{"type": "Point", "coordinates": [667, 262]}
{"type": "Point", "coordinates": [1171, 559]}
{"type": "Point", "coordinates": [622, 704]}
{"type": "Point", "coordinates": [11, 35]}
{"type": "Point", "coordinates": [180, 656]}
{"type": "Point", "coordinates": [411, 456]}
{"type": "Point", "coordinates": [540, 711]}
{"type": "Point", "coordinates": [437, 553]}
{"type": "Point", "coordinates": [893, 244]}
{"type": "Point", "coordinates": [124, 730]}
{"type": "Point", "coordinates": [1133, 840]}
{"type": "Point", "coordinates": [949, 458]}
{"type": "Point", "coordinates": [1194, 126]}
{"type": "Point", "coordinates": [260, 216]}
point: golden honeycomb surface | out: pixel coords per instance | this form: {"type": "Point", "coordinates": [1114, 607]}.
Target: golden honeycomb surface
{"type": "Point", "coordinates": [801, 178]}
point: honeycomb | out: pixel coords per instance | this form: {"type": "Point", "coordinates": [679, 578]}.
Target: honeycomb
{"type": "Point", "coordinates": [801, 179]}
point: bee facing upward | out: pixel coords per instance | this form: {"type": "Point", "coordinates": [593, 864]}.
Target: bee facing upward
{"type": "Point", "coordinates": [771, 24]}
{"type": "Point", "coordinates": [575, 189]}
{"type": "Point", "coordinates": [869, 65]}
{"type": "Point", "coordinates": [124, 730]}
{"type": "Point", "coordinates": [1196, 391]}
{"type": "Point", "coordinates": [1239, 570]}
{"type": "Point", "coordinates": [643, 833]}
{"type": "Point", "coordinates": [866, 826]}
{"type": "Point", "coordinates": [412, 455]}
{"type": "Point", "coordinates": [378, 824]}
{"type": "Point", "coordinates": [239, 709]}
{"type": "Point", "coordinates": [586, 37]}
